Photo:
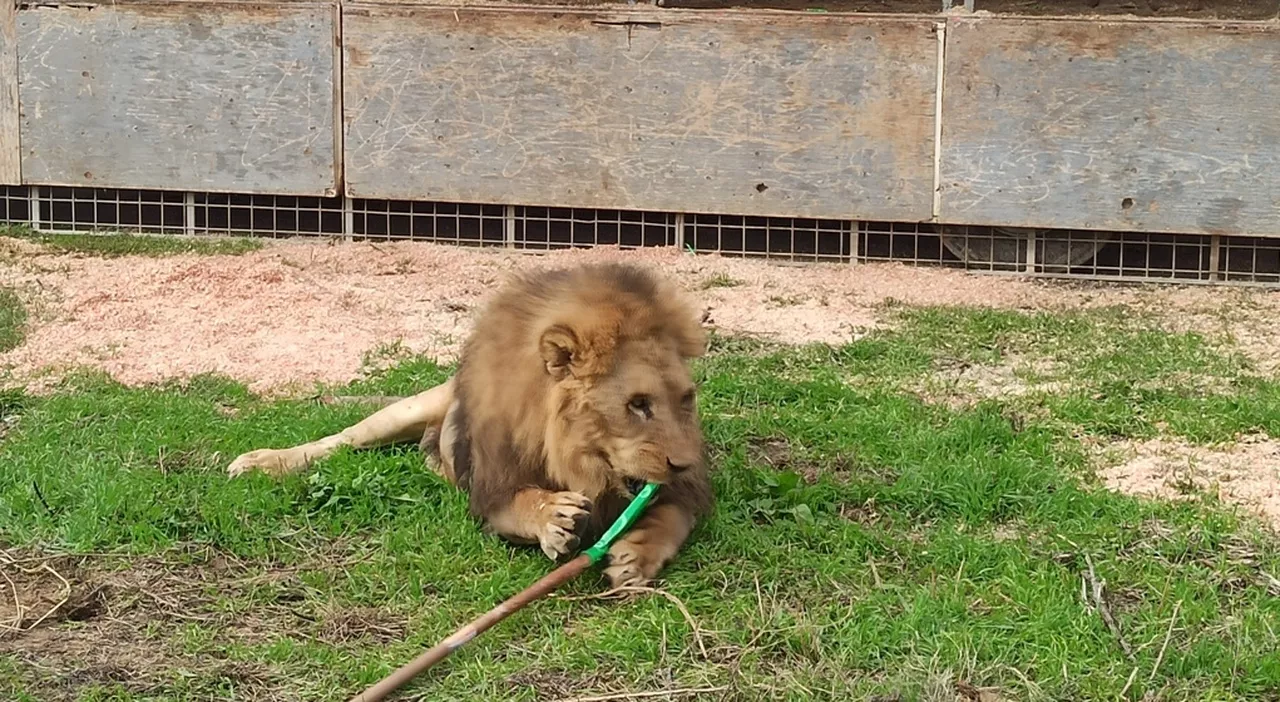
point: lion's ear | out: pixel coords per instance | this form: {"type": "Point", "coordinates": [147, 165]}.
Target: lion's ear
{"type": "Point", "coordinates": [583, 350]}
{"type": "Point", "coordinates": [558, 346]}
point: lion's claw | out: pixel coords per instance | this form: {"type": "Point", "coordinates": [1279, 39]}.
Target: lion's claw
{"type": "Point", "coordinates": [630, 565]}
{"type": "Point", "coordinates": [565, 512]}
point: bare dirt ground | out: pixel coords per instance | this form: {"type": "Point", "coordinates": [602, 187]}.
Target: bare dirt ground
{"type": "Point", "coordinates": [115, 606]}
{"type": "Point", "coordinates": [300, 312]}
{"type": "Point", "coordinates": [1246, 473]}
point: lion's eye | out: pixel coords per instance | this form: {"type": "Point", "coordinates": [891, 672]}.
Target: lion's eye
{"type": "Point", "coordinates": [639, 404]}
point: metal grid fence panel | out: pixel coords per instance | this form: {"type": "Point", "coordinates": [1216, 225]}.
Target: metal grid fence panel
{"type": "Point", "coordinates": [15, 205]}
{"type": "Point", "coordinates": [1086, 255]}
{"type": "Point", "coordinates": [775, 238]}
{"type": "Point", "coordinates": [264, 215]}
{"type": "Point", "coordinates": [1143, 256]}
{"type": "Point", "coordinates": [549, 228]}
{"type": "Point", "coordinates": [91, 209]}
{"type": "Point", "coordinates": [435, 222]}
{"type": "Point", "coordinates": [1129, 256]}
{"type": "Point", "coordinates": [1250, 260]}
{"type": "Point", "coordinates": [903, 242]}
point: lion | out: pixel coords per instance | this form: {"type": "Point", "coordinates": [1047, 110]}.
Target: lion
{"type": "Point", "coordinates": [573, 388]}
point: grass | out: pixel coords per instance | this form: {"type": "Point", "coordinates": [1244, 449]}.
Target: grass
{"type": "Point", "coordinates": [13, 319]}
{"type": "Point", "coordinates": [116, 244]}
{"type": "Point", "coordinates": [870, 542]}
{"type": "Point", "coordinates": [720, 280]}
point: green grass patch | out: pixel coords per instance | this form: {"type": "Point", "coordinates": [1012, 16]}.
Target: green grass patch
{"type": "Point", "coordinates": [720, 280]}
{"type": "Point", "coordinates": [866, 542]}
{"type": "Point", "coordinates": [116, 244]}
{"type": "Point", "coordinates": [13, 320]}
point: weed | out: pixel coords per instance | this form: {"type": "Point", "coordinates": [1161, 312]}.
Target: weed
{"type": "Point", "coordinates": [13, 320]}
{"type": "Point", "coordinates": [115, 244]}
{"type": "Point", "coordinates": [720, 280]}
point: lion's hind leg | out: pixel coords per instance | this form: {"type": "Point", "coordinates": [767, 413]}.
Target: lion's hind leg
{"type": "Point", "coordinates": [409, 419]}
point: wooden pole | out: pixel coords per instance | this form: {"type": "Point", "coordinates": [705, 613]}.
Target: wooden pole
{"type": "Point", "coordinates": [457, 639]}
{"type": "Point", "coordinates": [546, 585]}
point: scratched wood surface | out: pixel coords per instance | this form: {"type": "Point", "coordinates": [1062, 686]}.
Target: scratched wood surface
{"type": "Point", "coordinates": [10, 163]}
{"type": "Point", "coordinates": [1167, 127]}
{"type": "Point", "coordinates": [206, 98]}
{"type": "Point", "coordinates": [789, 116]}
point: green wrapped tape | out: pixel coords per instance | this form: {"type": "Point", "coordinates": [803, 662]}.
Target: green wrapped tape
{"type": "Point", "coordinates": [623, 522]}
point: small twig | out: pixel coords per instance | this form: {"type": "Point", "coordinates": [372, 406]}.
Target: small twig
{"type": "Point", "coordinates": [1273, 584]}
{"type": "Point", "coordinates": [643, 695]}
{"type": "Point", "coordinates": [40, 495]}
{"type": "Point", "coordinates": [357, 399]}
{"type": "Point", "coordinates": [16, 562]}
{"type": "Point", "coordinates": [693, 624]}
{"type": "Point", "coordinates": [1100, 603]}
{"type": "Point", "coordinates": [174, 609]}
{"type": "Point", "coordinates": [1031, 687]}
{"type": "Point", "coordinates": [1129, 683]}
{"type": "Point", "coordinates": [1167, 634]}
{"type": "Point", "coordinates": [16, 625]}
{"type": "Point", "coordinates": [61, 602]}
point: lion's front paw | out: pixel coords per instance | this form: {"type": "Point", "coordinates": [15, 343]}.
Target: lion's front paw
{"type": "Point", "coordinates": [632, 562]}
{"type": "Point", "coordinates": [273, 462]}
{"type": "Point", "coordinates": [563, 513]}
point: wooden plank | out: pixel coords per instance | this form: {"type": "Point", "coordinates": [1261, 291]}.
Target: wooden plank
{"type": "Point", "coordinates": [1130, 126]}
{"type": "Point", "coordinates": [697, 112]}
{"type": "Point", "coordinates": [10, 162]}
{"type": "Point", "coordinates": [215, 97]}
{"type": "Point", "coordinates": [206, 4]}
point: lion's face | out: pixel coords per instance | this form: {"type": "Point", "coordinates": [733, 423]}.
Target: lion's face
{"type": "Point", "coordinates": [632, 401]}
{"type": "Point", "coordinates": [646, 409]}
{"type": "Point", "coordinates": [626, 393]}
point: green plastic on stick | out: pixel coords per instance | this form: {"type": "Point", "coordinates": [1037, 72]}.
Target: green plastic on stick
{"type": "Point", "coordinates": [623, 522]}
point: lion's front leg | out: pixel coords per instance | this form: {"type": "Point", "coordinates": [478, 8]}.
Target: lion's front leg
{"type": "Point", "coordinates": [550, 519]}
{"type": "Point", "coordinates": [640, 554]}
{"type": "Point", "coordinates": [405, 420]}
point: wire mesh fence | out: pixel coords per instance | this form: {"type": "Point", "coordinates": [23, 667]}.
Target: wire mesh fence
{"type": "Point", "coordinates": [1045, 253]}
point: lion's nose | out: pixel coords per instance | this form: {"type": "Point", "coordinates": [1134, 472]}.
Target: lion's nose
{"type": "Point", "coordinates": [676, 467]}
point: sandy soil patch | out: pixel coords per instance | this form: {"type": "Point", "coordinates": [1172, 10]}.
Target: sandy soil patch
{"type": "Point", "coordinates": [302, 311]}
{"type": "Point", "coordinates": [1246, 473]}
{"type": "Point", "coordinates": [959, 384]}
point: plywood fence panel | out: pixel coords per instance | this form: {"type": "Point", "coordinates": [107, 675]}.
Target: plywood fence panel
{"type": "Point", "coordinates": [787, 115]}
{"type": "Point", "coordinates": [205, 97]}
{"type": "Point", "coordinates": [1134, 126]}
{"type": "Point", "coordinates": [10, 163]}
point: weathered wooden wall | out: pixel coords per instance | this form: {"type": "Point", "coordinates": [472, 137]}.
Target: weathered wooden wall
{"type": "Point", "coordinates": [787, 115]}
{"type": "Point", "coordinates": [1112, 125]}
{"type": "Point", "coordinates": [10, 156]}
{"type": "Point", "coordinates": [1097, 124]}
{"type": "Point", "coordinates": [211, 97]}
